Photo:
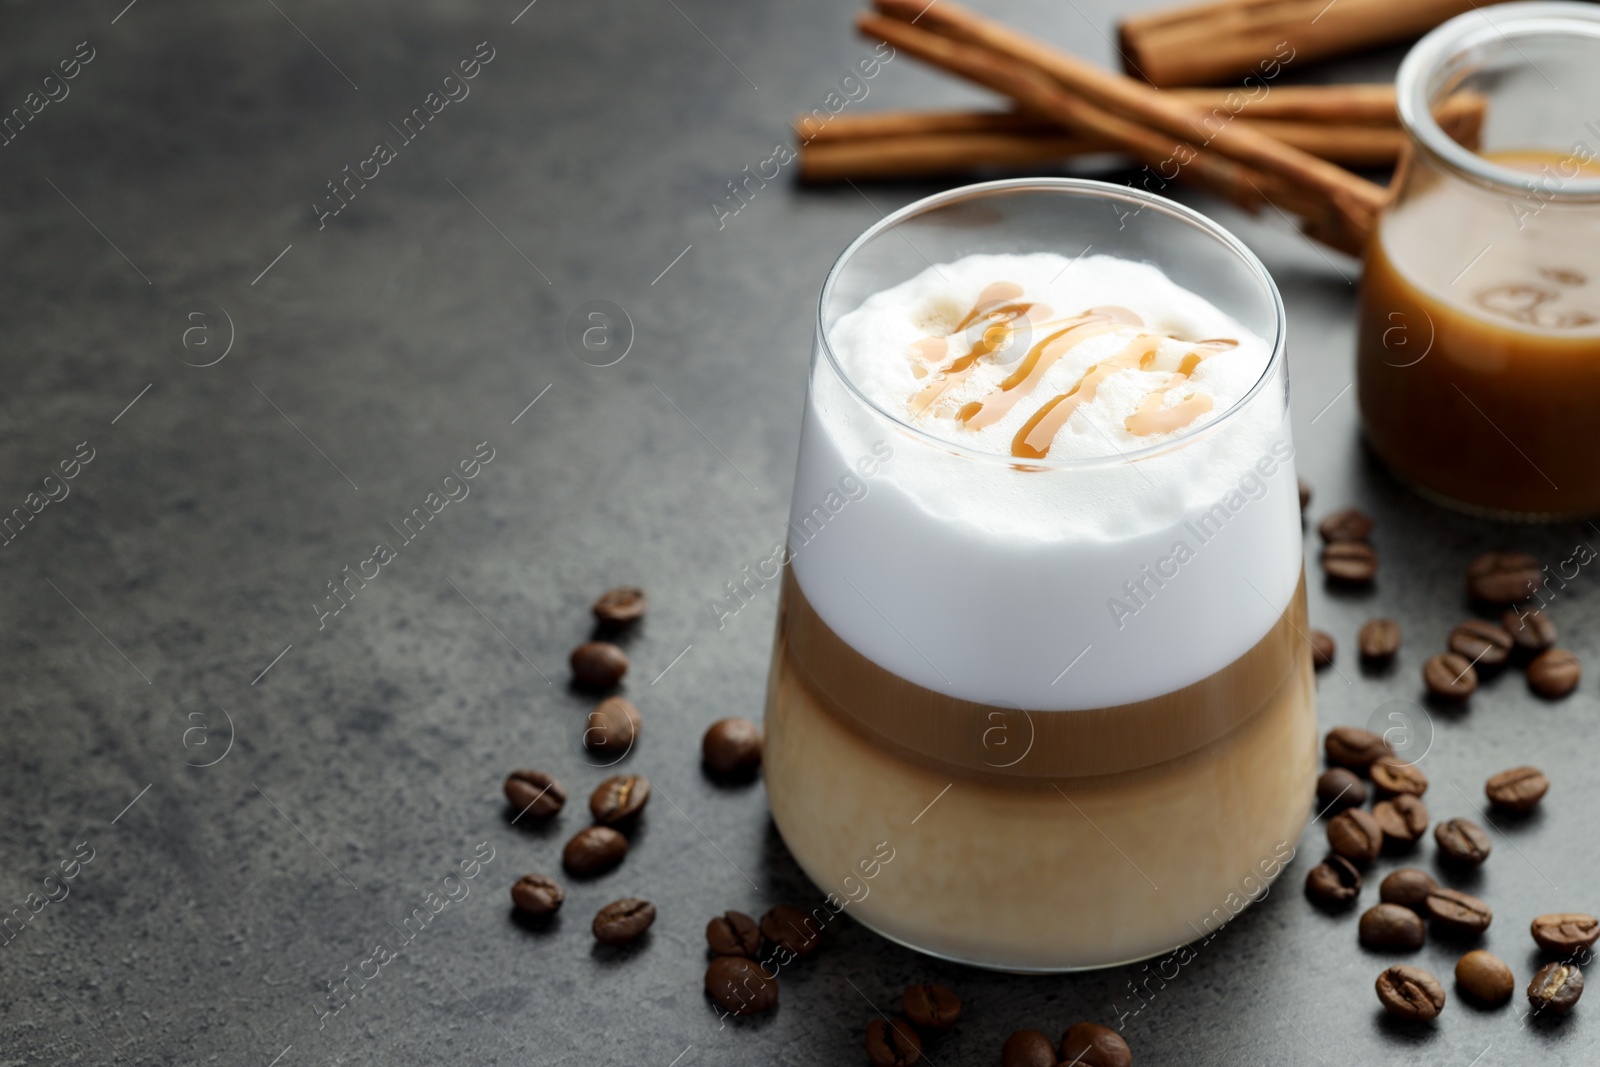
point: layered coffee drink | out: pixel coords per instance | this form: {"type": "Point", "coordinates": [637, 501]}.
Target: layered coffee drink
{"type": "Point", "coordinates": [1042, 639]}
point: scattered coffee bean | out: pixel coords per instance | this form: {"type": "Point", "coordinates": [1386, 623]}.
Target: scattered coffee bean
{"type": "Point", "coordinates": [1567, 933]}
{"type": "Point", "coordinates": [1407, 887]}
{"type": "Point", "coordinates": [1356, 836]}
{"type": "Point", "coordinates": [731, 748]}
{"type": "Point", "coordinates": [931, 1006]}
{"type": "Point", "coordinates": [790, 928]}
{"type": "Point", "coordinates": [1093, 1045]}
{"type": "Point", "coordinates": [1390, 927]}
{"type": "Point", "coordinates": [593, 851]}
{"type": "Point", "coordinates": [1556, 988]}
{"type": "Point", "coordinates": [1483, 644]}
{"type": "Point", "coordinates": [537, 895]}
{"type": "Point", "coordinates": [1410, 993]}
{"type": "Point", "coordinates": [535, 794]}
{"type": "Point", "coordinates": [1503, 577]}
{"type": "Point", "coordinates": [741, 986]}
{"type": "Point", "coordinates": [1338, 789]}
{"type": "Point", "coordinates": [1462, 841]}
{"type": "Point", "coordinates": [1394, 777]}
{"type": "Point", "coordinates": [1530, 629]}
{"type": "Point", "coordinates": [1350, 562]}
{"type": "Point", "coordinates": [1403, 819]}
{"type": "Point", "coordinates": [733, 933]}
{"type": "Point", "coordinates": [1305, 495]}
{"type": "Point", "coordinates": [1554, 673]}
{"type": "Point", "coordinates": [1485, 978]}
{"type": "Point", "coordinates": [893, 1044]}
{"type": "Point", "coordinates": [1379, 640]}
{"type": "Point", "coordinates": [1333, 883]}
{"type": "Point", "coordinates": [1455, 912]}
{"type": "Point", "coordinates": [620, 606]}
{"type": "Point", "coordinates": [1322, 649]}
{"type": "Point", "coordinates": [598, 664]}
{"type": "Point", "coordinates": [622, 921]}
{"type": "Point", "coordinates": [1450, 677]}
{"type": "Point", "coordinates": [1518, 790]}
{"type": "Point", "coordinates": [1028, 1048]}
{"type": "Point", "coordinates": [1346, 524]}
{"type": "Point", "coordinates": [1353, 747]}
{"type": "Point", "coordinates": [618, 799]}
{"type": "Point", "coordinates": [613, 726]}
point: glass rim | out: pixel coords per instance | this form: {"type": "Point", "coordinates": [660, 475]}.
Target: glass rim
{"type": "Point", "coordinates": [1500, 22]}
{"type": "Point", "coordinates": [1083, 187]}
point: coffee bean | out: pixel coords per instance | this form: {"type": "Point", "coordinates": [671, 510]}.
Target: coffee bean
{"type": "Point", "coordinates": [1028, 1048]}
{"type": "Point", "coordinates": [1390, 927]}
{"type": "Point", "coordinates": [931, 1006]}
{"type": "Point", "coordinates": [731, 748]}
{"type": "Point", "coordinates": [741, 986]}
{"type": "Point", "coordinates": [1483, 644]}
{"type": "Point", "coordinates": [1567, 933]}
{"type": "Point", "coordinates": [1093, 1045]}
{"type": "Point", "coordinates": [622, 921]}
{"type": "Point", "coordinates": [1356, 836]}
{"type": "Point", "coordinates": [618, 799]}
{"type": "Point", "coordinates": [1338, 789]}
{"type": "Point", "coordinates": [598, 664]}
{"type": "Point", "coordinates": [1353, 747]}
{"type": "Point", "coordinates": [1462, 841]}
{"type": "Point", "coordinates": [1455, 912]}
{"type": "Point", "coordinates": [734, 933]}
{"type": "Point", "coordinates": [1305, 495]}
{"type": "Point", "coordinates": [1333, 883]}
{"type": "Point", "coordinates": [1410, 993]}
{"type": "Point", "coordinates": [537, 895]}
{"type": "Point", "coordinates": [1394, 777]}
{"type": "Point", "coordinates": [1379, 640]}
{"type": "Point", "coordinates": [1485, 978]}
{"type": "Point", "coordinates": [535, 794]}
{"type": "Point", "coordinates": [1556, 988]}
{"type": "Point", "coordinates": [1449, 677]}
{"type": "Point", "coordinates": [1554, 674]}
{"type": "Point", "coordinates": [1503, 577]}
{"type": "Point", "coordinates": [1322, 649]}
{"type": "Point", "coordinates": [1407, 887]}
{"type": "Point", "coordinates": [1518, 790]}
{"type": "Point", "coordinates": [593, 851]}
{"type": "Point", "coordinates": [893, 1044]}
{"type": "Point", "coordinates": [613, 726]}
{"type": "Point", "coordinates": [1347, 524]}
{"type": "Point", "coordinates": [790, 928]}
{"type": "Point", "coordinates": [1350, 562]}
{"type": "Point", "coordinates": [1403, 819]}
{"type": "Point", "coordinates": [1530, 629]}
{"type": "Point", "coordinates": [620, 606]}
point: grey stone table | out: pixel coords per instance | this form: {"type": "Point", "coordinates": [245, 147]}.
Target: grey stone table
{"type": "Point", "coordinates": [252, 390]}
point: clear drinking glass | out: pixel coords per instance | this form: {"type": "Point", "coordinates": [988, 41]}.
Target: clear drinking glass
{"type": "Point", "coordinates": [969, 747]}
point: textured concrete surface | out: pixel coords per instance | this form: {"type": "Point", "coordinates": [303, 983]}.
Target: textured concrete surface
{"type": "Point", "coordinates": [165, 607]}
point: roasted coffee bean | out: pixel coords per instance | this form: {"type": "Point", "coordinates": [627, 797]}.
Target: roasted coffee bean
{"type": "Point", "coordinates": [622, 921]}
{"type": "Point", "coordinates": [1356, 836]}
{"type": "Point", "coordinates": [1346, 524]}
{"type": "Point", "coordinates": [1518, 790]}
{"type": "Point", "coordinates": [1462, 841]}
{"type": "Point", "coordinates": [741, 986]}
{"type": "Point", "coordinates": [931, 1006]}
{"type": "Point", "coordinates": [1350, 562]}
{"type": "Point", "coordinates": [733, 933]}
{"type": "Point", "coordinates": [1483, 644]}
{"type": "Point", "coordinates": [593, 851]}
{"type": "Point", "coordinates": [620, 606]}
{"type": "Point", "coordinates": [1485, 978]}
{"type": "Point", "coordinates": [1394, 777]}
{"type": "Point", "coordinates": [1567, 933]}
{"type": "Point", "coordinates": [1556, 988]}
{"type": "Point", "coordinates": [1403, 819]}
{"type": "Point", "coordinates": [1554, 673]}
{"type": "Point", "coordinates": [1379, 640]}
{"type": "Point", "coordinates": [790, 928]}
{"type": "Point", "coordinates": [1449, 677]}
{"type": "Point", "coordinates": [1353, 747]}
{"type": "Point", "coordinates": [1410, 993]}
{"type": "Point", "coordinates": [1333, 883]}
{"type": "Point", "coordinates": [1028, 1048]}
{"type": "Point", "coordinates": [1390, 927]}
{"type": "Point", "coordinates": [1093, 1045]}
{"type": "Point", "coordinates": [1338, 789]}
{"type": "Point", "coordinates": [1455, 912]}
{"type": "Point", "coordinates": [892, 1044]}
{"type": "Point", "coordinates": [613, 726]}
{"type": "Point", "coordinates": [1305, 495]}
{"type": "Point", "coordinates": [731, 748]}
{"type": "Point", "coordinates": [598, 664]}
{"type": "Point", "coordinates": [535, 794]}
{"type": "Point", "coordinates": [1407, 887]}
{"type": "Point", "coordinates": [1530, 629]}
{"type": "Point", "coordinates": [1503, 577]}
{"type": "Point", "coordinates": [1322, 649]}
{"type": "Point", "coordinates": [618, 799]}
{"type": "Point", "coordinates": [537, 895]}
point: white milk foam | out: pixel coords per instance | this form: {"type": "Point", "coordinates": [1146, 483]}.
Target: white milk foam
{"type": "Point", "coordinates": [975, 578]}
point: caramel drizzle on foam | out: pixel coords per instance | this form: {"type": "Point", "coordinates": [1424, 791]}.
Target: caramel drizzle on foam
{"type": "Point", "coordinates": [998, 306]}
